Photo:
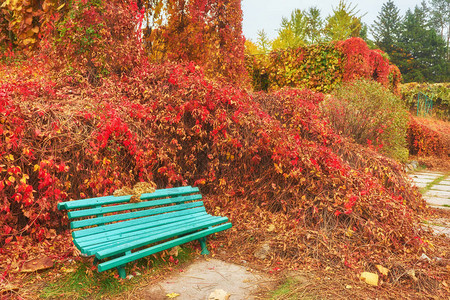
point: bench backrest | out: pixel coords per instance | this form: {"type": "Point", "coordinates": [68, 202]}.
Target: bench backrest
{"type": "Point", "coordinates": [172, 202]}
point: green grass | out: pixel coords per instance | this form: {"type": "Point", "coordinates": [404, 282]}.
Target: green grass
{"type": "Point", "coordinates": [86, 282]}
{"type": "Point", "coordinates": [292, 289]}
{"type": "Point", "coordinates": [434, 182]}
{"type": "Point", "coordinates": [83, 283]}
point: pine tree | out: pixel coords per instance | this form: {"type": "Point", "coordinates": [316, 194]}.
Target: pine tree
{"type": "Point", "coordinates": [386, 29]}
{"type": "Point", "coordinates": [344, 23]}
{"type": "Point", "coordinates": [293, 31]}
{"type": "Point", "coordinates": [314, 27]}
{"type": "Point", "coordinates": [423, 49]}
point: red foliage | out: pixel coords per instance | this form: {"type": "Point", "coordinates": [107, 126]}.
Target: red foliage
{"type": "Point", "coordinates": [423, 141]}
{"type": "Point", "coordinates": [208, 33]}
{"type": "Point", "coordinates": [361, 62]}
{"type": "Point", "coordinates": [96, 38]}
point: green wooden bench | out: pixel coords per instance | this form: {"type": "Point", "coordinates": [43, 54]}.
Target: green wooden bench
{"type": "Point", "coordinates": [117, 231]}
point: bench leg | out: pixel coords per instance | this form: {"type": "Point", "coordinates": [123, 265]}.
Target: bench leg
{"type": "Point", "coordinates": [203, 244]}
{"type": "Point", "coordinates": [96, 260]}
{"type": "Point", "coordinates": [122, 272]}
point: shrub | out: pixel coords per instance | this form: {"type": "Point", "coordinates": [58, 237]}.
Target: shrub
{"type": "Point", "coordinates": [423, 141]}
{"type": "Point", "coordinates": [371, 115]}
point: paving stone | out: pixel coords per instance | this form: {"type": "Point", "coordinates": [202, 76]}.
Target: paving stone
{"type": "Point", "coordinates": [441, 194]}
{"type": "Point", "coordinates": [437, 201]}
{"type": "Point", "coordinates": [440, 187]}
{"type": "Point", "coordinates": [421, 180]}
{"type": "Point", "coordinates": [204, 276]}
{"type": "Point", "coordinates": [438, 230]}
{"type": "Point", "coordinates": [421, 185]}
{"type": "Point", "coordinates": [426, 175]}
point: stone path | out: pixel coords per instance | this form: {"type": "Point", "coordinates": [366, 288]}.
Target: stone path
{"type": "Point", "coordinates": [438, 196]}
{"type": "Point", "coordinates": [204, 276]}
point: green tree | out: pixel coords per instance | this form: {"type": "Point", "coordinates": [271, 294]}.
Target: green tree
{"type": "Point", "coordinates": [423, 50]}
{"type": "Point", "coordinates": [314, 26]}
{"type": "Point", "coordinates": [440, 20]}
{"type": "Point", "coordinates": [344, 23]}
{"type": "Point", "coordinates": [293, 31]}
{"type": "Point", "coordinates": [263, 42]}
{"type": "Point", "coordinates": [386, 28]}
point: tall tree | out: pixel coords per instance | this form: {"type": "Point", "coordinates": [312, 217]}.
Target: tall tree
{"type": "Point", "coordinates": [263, 42]}
{"type": "Point", "coordinates": [344, 23]}
{"type": "Point", "coordinates": [386, 28]}
{"type": "Point", "coordinates": [314, 26]}
{"type": "Point", "coordinates": [424, 50]}
{"type": "Point", "coordinates": [206, 32]}
{"type": "Point", "coordinates": [440, 20]}
{"type": "Point", "coordinates": [293, 31]}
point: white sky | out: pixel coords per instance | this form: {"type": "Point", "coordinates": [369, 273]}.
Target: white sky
{"type": "Point", "coordinates": [267, 14]}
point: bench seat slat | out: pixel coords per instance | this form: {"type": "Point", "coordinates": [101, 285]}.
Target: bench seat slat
{"type": "Point", "coordinates": [92, 202]}
{"type": "Point", "coordinates": [138, 229]}
{"type": "Point", "coordinates": [156, 238]}
{"type": "Point", "coordinates": [163, 246]}
{"type": "Point", "coordinates": [129, 206]}
{"type": "Point", "coordinates": [93, 248]}
{"type": "Point", "coordinates": [133, 222]}
{"type": "Point", "coordinates": [133, 215]}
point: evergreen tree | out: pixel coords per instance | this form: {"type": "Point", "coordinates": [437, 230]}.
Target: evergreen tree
{"type": "Point", "coordinates": [386, 28]}
{"type": "Point", "coordinates": [440, 20]}
{"type": "Point", "coordinates": [293, 31]}
{"type": "Point", "coordinates": [264, 44]}
{"type": "Point", "coordinates": [423, 50]}
{"type": "Point", "coordinates": [314, 25]}
{"type": "Point", "coordinates": [344, 23]}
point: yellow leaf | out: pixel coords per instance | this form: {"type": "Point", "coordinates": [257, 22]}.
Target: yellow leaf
{"type": "Point", "coordinates": [271, 228]}
{"type": "Point", "coordinates": [24, 178]}
{"type": "Point", "coordinates": [382, 270]}
{"type": "Point", "coordinates": [28, 41]}
{"type": "Point", "coordinates": [12, 179]}
{"type": "Point", "coordinates": [61, 6]}
{"type": "Point", "coordinates": [172, 295]}
{"type": "Point", "coordinates": [9, 157]}
{"type": "Point", "coordinates": [369, 278]}
{"type": "Point", "coordinates": [36, 168]}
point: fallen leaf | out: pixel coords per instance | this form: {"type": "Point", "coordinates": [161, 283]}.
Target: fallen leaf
{"type": "Point", "coordinates": [37, 264]}
{"type": "Point", "coordinates": [369, 278]}
{"type": "Point", "coordinates": [271, 228]}
{"type": "Point", "coordinates": [348, 286]}
{"type": "Point", "coordinates": [384, 271]}
{"type": "Point", "coordinates": [172, 295]}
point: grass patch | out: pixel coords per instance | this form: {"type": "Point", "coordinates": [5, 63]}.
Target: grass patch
{"type": "Point", "coordinates": [292, 289]}
{"type": "Point", "coordinates": [434, 182]}
{"type": "Point", "coordinates": [86, 282]}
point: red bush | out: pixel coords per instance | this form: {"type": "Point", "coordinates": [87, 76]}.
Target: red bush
{"type": "Point", "coordinates": [423, 141]}
{"type": "Point", "coordinates": [272, 153]}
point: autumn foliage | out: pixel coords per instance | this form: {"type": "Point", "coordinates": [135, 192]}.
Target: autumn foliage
{"type": "Point", "coordinates": [322, 67]}
{"type": "Point", "coordinates": [97, 120]}
{"type": "Point", "coordinates": [208, 33]}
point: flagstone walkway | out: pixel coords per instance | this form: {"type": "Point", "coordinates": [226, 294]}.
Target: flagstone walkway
{"type": "Point", "coordinates": [437, 194]}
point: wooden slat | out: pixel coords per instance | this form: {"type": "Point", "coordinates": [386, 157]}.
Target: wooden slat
{"type": "Point", "coordinates": [156, 238]}
{"type": "Point", "coordinates": [130, 206]}
{"type": "Point", "coordinates": [106, 200]}
{"type": "Point", "coordinates": [92, 247]}
{"type": "Point", "coordinates": [133, 215]}
{"type": "Point", "coordinates": [137, 229]}
{"type": "Point", "coordinates": [124, 224]}
{"type": "Point", "coordinates": [161, 247]}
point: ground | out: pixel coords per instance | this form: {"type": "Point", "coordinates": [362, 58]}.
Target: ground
{"type": "Point", "coordinates": [250, 277]}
